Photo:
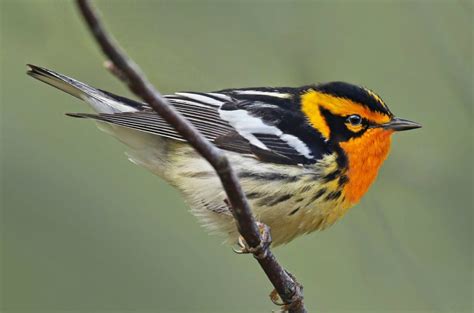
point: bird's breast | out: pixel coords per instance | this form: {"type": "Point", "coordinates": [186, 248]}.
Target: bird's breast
{"type": "Point", "coordinates": [365, 155]}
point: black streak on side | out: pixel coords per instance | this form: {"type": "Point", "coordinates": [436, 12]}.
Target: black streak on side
{"type": "Point", "coordinates": [253, 195]}
{"type": "Point", "coordinates": [333, 195]}
{"type": "Point", "coordinates": [319, 194]}
{"type": "Point", "coordinates": [294, 211]}
{"type": "Point", "coordinates": [331, 176]}
{"type": "Point", "coordinates": [280, 199]}
{"type": "Point", "coordinates": [343, 180]}
{"type": "Point", "coordinates": [271, 200]}
{"type": "Point", "coordinates": [202, 174]}
{"type": "Point", "coordinates": [268, 176]}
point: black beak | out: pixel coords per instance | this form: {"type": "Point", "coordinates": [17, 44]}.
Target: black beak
{"type": "Point", "coordinates": [399, 124]}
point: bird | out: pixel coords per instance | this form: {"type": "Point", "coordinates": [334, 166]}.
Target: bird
{"type": "Point", "coordinates": [303, 155]}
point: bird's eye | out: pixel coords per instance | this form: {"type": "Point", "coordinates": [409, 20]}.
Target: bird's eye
{"type": "Point", "coordinates": [354, 119]}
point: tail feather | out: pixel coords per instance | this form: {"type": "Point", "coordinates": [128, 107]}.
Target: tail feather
{"type": "Point", "coordinates": [99, 100]}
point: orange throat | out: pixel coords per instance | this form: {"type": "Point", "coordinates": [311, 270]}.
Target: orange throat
{"type": "Point", "coordinates": [365, 155]}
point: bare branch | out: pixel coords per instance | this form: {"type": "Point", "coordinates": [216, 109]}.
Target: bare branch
{"type": "Point", "coordinates": [128, 71]}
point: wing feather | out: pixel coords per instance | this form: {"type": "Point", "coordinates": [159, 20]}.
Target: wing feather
{"type": "Point", "coordinates": [233, 124]}
{"type": "Point", "coordinates": [149, 121]}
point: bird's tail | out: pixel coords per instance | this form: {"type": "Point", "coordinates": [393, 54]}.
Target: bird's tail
{"type": "Point", "coordinates": [101, 101]}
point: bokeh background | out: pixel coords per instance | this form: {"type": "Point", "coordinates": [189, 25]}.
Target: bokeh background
{"type": "Point", "coordinates": [84, 230]}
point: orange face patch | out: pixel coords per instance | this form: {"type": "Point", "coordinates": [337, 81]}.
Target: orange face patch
{"type": "Point", "coordinates": [312, 101]}
{"type": "Point", "coordinates": [365, 156]}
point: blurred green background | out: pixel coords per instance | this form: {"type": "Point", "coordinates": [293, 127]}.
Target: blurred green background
{"type": "Point", "coordinates": [84, 230]}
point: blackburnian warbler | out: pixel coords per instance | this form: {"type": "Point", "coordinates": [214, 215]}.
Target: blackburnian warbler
{"type": "Point", "coordinates": [304, 155]}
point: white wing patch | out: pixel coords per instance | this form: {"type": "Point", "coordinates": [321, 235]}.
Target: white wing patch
{"type": "Point", "coordinates": [220, 96]}
{"type": "Point", "coordinates": [201, 98]}
{"type": "Point", "coordinates": [247, 125]}
{"type": "Point", "coordinates": [263, 93]}
{"type": "Point", "coordinates": [297, 144]}
{"type": "Point", "coordinates": [188, 102]}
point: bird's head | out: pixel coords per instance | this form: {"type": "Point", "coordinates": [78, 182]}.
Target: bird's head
{"type": "Point", "coordinates": [342, 112]}
{"type": "Point", "coordinates": [357, 121]}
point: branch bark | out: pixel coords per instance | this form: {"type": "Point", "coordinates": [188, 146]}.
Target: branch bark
{"type": "Point", "coordinates": [127, 70]}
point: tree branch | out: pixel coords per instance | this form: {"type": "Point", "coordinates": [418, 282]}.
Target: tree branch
{"type": "Point", "coordinates": [128, 71]}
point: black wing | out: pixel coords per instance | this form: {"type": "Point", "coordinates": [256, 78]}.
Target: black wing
{"type": "Point", "coordinates": [264, 122]}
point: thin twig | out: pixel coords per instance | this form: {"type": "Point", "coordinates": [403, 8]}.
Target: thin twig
{"type": "Point", "coordinates": [128, 71]}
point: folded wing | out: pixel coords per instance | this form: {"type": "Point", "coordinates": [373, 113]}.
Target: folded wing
{"type": "Point", "coordinates": [229, 123]}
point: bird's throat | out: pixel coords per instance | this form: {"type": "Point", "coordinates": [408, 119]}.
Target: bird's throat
{"type": "Point", "coordinates": [365, 155]}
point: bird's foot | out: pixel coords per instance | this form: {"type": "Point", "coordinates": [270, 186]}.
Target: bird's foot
{"type": "Point", "coordinates": [259, 251]}
{"type": "Point", "coordinates": [295, 301]}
